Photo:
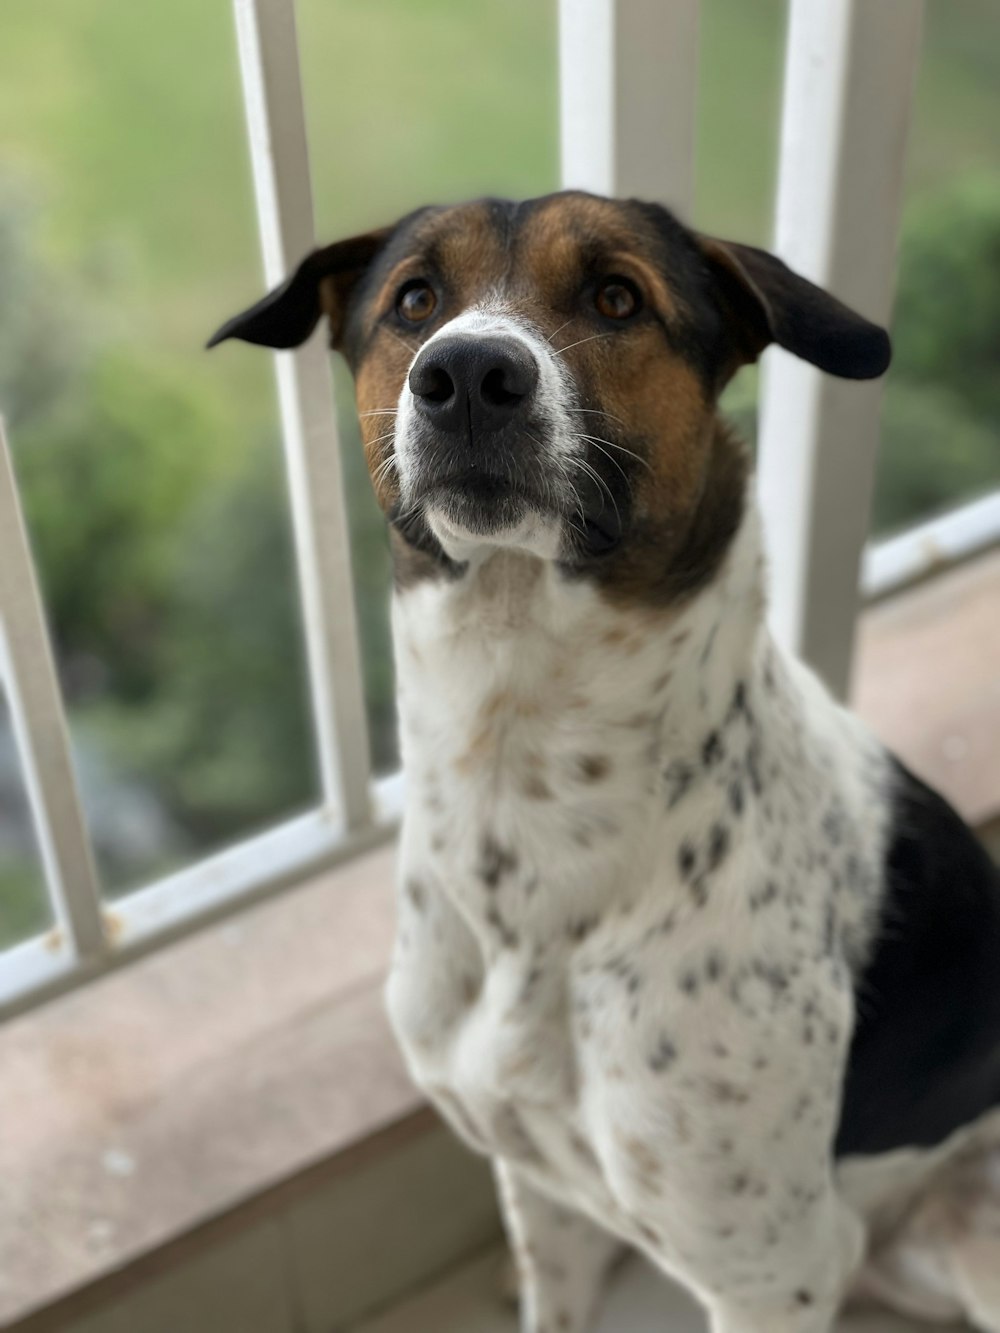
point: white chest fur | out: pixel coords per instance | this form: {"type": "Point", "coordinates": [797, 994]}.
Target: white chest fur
{"type": "Point", "coordinates": [640, 856]}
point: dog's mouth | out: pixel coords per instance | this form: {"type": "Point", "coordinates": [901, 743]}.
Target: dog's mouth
{"type": "Point", "coordinates": [477, 504]}
{"type": "Point", "coordinates": [520, 486]}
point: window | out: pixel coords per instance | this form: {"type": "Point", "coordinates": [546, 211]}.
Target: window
{"type": "Point", "coordinates": [222, 645]}
{"type": "Point", "coordinates": [24, 904]}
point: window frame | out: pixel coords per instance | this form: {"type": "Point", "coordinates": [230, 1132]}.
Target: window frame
{"type": "Point", "coordinates": [628, 89]}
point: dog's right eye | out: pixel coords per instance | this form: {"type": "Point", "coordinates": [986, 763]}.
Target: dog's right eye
{"type": "Point", "coordinates": [416, 302]}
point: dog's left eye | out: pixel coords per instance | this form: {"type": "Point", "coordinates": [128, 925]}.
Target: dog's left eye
{"type": "Point", "coordinates": [416, 302]}
{"type": "Point", "coordinates": [617, 298]}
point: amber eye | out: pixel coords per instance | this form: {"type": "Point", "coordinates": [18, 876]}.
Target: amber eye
{"type": "Point", "coordinates": [416, 302]}
{"type": "Point", "coordinates": [617, 298]}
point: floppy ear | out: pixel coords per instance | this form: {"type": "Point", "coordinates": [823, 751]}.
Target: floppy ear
{"type": "Point", "coordinates": [766, 302]}
{"type": "Point", "coordinates": [322, 283]}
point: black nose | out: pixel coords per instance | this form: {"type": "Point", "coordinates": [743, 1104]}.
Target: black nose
{"type": "Point", "coordinates": [473, 382]}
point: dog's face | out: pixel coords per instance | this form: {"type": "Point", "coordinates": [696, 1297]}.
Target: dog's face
{"type": "Point", "coordinates": [544, 376]}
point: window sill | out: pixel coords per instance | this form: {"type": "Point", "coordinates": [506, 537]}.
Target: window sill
{"type": "Point", "coordinates": [224, 1080]}
{"type": "Point", "coordinates": [230, 1078]}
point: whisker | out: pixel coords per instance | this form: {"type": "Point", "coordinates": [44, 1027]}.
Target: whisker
{"type": "Point", "coordinates": [592, 472]}
{"type": "Point", "coordinates": [559, 329]}
{"type": "Point", "coordinates": [402, 341]}
{"type": "Point", "coordinates": [598, 439]}
{"type": "Point", "coordinates": [381, 412]}
{"type": "Point", "coordinates": [613, 461]}
{"type": "Point", "coordinates": [559, 350]}
{"type": "Point", "coordinates": [382, 439]}
{"type": "Point", "coordinates": [593, 411]}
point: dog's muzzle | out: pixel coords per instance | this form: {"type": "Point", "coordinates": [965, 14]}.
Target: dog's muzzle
{"type": "Point", "coordinates": [478, 439]}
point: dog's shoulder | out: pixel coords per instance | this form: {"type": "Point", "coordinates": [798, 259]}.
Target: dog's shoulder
{"type": "Point", "coordinates": [925, 1058]}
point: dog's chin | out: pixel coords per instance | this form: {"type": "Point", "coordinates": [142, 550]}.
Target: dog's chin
{"type": "Point", "coordinates": [474, 518]}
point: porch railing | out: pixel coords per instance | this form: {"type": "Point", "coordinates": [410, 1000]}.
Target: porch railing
{"type": "Point", "coordinates": [628, 96]}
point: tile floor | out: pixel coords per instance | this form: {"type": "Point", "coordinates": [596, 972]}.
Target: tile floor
{"type": "Point", "coordinates": [640, 1302]}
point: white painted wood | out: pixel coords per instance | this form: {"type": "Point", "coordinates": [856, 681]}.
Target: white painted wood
{"type": "Point", "coordinates": [272, 88]}
{"type": "Point", "coordinates": [849, 79]}
{"type": "Point", "coordinates": [36, 968]}
{"type": "Point", "coordinates": [628, 91]}
{"type": "Point", "coordinates": [28, 671]}
{"type": "Point", "coordinates": [212, 889]}
{"type": "Point", "coordinates": [922, 551]}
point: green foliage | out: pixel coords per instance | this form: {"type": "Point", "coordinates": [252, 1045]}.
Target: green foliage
{"type": "Point", "coordinates": [933, 448]}
{"type": "Point", "coordinates": [41, 335]}
{"type": "Point", "coordinates": [224, 734]}
{"type": "Point", "coordinates": [947, 322]}
{"type": "Point", "coordinates": [941, 424]}
{"type": "Point", "coordinates": [23, 909]}
{"type": "Point", "coordinates": [107, 478]}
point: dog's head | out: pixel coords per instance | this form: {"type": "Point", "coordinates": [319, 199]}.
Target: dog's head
{"type": "Point", "coordinates": [544, 375]}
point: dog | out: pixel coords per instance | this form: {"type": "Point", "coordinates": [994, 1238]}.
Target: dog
{"type": "Point", "coordinates": [701, 967]}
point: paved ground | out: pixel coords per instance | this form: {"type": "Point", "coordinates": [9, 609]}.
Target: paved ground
{"type": "Point", "coordinates": [640, 1302]}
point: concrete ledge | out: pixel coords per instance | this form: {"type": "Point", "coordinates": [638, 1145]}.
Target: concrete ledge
{"type": "Point", "coordinates": [200, 1078]}
{"type": "Point", "coordinates": [927, 681]}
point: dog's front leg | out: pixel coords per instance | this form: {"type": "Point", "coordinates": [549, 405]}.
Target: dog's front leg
{"type": "Point", "coordinates": [562, 1257]}
{"type": "Point", "coordinates": [801, 1289]}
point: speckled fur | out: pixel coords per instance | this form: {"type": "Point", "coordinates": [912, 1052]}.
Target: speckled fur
{"type": "Point", "coordinates": [648, 864]}
{"type": "Point", "coordinates": [620, 966]}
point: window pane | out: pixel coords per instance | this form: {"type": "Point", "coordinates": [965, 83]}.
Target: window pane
{"type": "Point", "coordinates": [941, 423]}
{"type": "Point", "coordinates": [150, 470]}
{"type": "Point", "coordinates": [411, 104]}
{"type": "Point", "coordinates": [24, 904]}
{"type": "Point", "coordinates": [941, 419]}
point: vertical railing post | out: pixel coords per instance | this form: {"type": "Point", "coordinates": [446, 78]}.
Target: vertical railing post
{"type": "Point", "coordinates": [272, 86]}
{"type": "Point", "coordinates": [628, 89]}
{"type": "Point", "coordinates": [39, 722]}
{"type": "Point", "coordinates": [850, 73]}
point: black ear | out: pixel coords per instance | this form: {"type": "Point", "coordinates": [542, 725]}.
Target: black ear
{"type": "Point", "coordinates": [322, 283]}
{"type": "Point", "coordinates": [766, 302]}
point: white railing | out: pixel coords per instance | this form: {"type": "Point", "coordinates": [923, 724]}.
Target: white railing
{"type": "Point", "coordinates": [629, 89]}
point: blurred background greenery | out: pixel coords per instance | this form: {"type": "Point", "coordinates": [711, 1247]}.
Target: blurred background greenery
{"type": "Point", "coordinates": [151, 473]}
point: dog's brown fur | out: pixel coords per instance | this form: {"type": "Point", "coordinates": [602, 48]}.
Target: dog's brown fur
{"type": "Point", "coordinates": [647, 413]}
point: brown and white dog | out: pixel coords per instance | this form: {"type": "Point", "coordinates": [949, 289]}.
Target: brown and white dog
{"type": "Point", "coordinates": [695, 961]}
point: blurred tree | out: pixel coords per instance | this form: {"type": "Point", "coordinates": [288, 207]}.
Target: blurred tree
{"type": "Point", "coordinates": [226, 736]}
{"type": "Point", "coordinates": [42, 342]}
{"type": "Point", "coordinates": [947, 321]}
{"type": "Point", "coordinates": [941, 425]}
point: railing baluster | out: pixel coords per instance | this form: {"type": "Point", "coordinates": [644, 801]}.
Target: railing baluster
{"type": "Point", "coordinates": [628, 89]}
{"type": "Point", "coordinates": [39, 722]}
{"type": "Point", "coordinates": [272, 86]}
{"type": "Point", "coordinates": [850, 74]}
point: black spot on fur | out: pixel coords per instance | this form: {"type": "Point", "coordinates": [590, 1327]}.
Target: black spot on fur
{"type": "Point", "coordinates": [712, 749]}
{"type": "Point", "coordinates": [715, 965]}
{"type": "Point", "coordinates": [718, 846]}
{"type": "Point", "coordinates": [678, 777]}
{"type": "Point", "coordinates": [686, 860]}
{"type": "Point", "coordinates": [579, 928]}
{"type": "Point", "coordinates": [495, 862]}
{"type": "Point", "coordinates": [416, 893]}
{"type": "Point", "coordinates": [663, 1056]}
{"type": "Point", "coordinates": [509, 937]}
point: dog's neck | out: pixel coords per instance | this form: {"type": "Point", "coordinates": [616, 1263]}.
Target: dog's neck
{"type": "Point", "coordinates": [531, 707]}
{"type": "Point", "coordinates": [515, 636]}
